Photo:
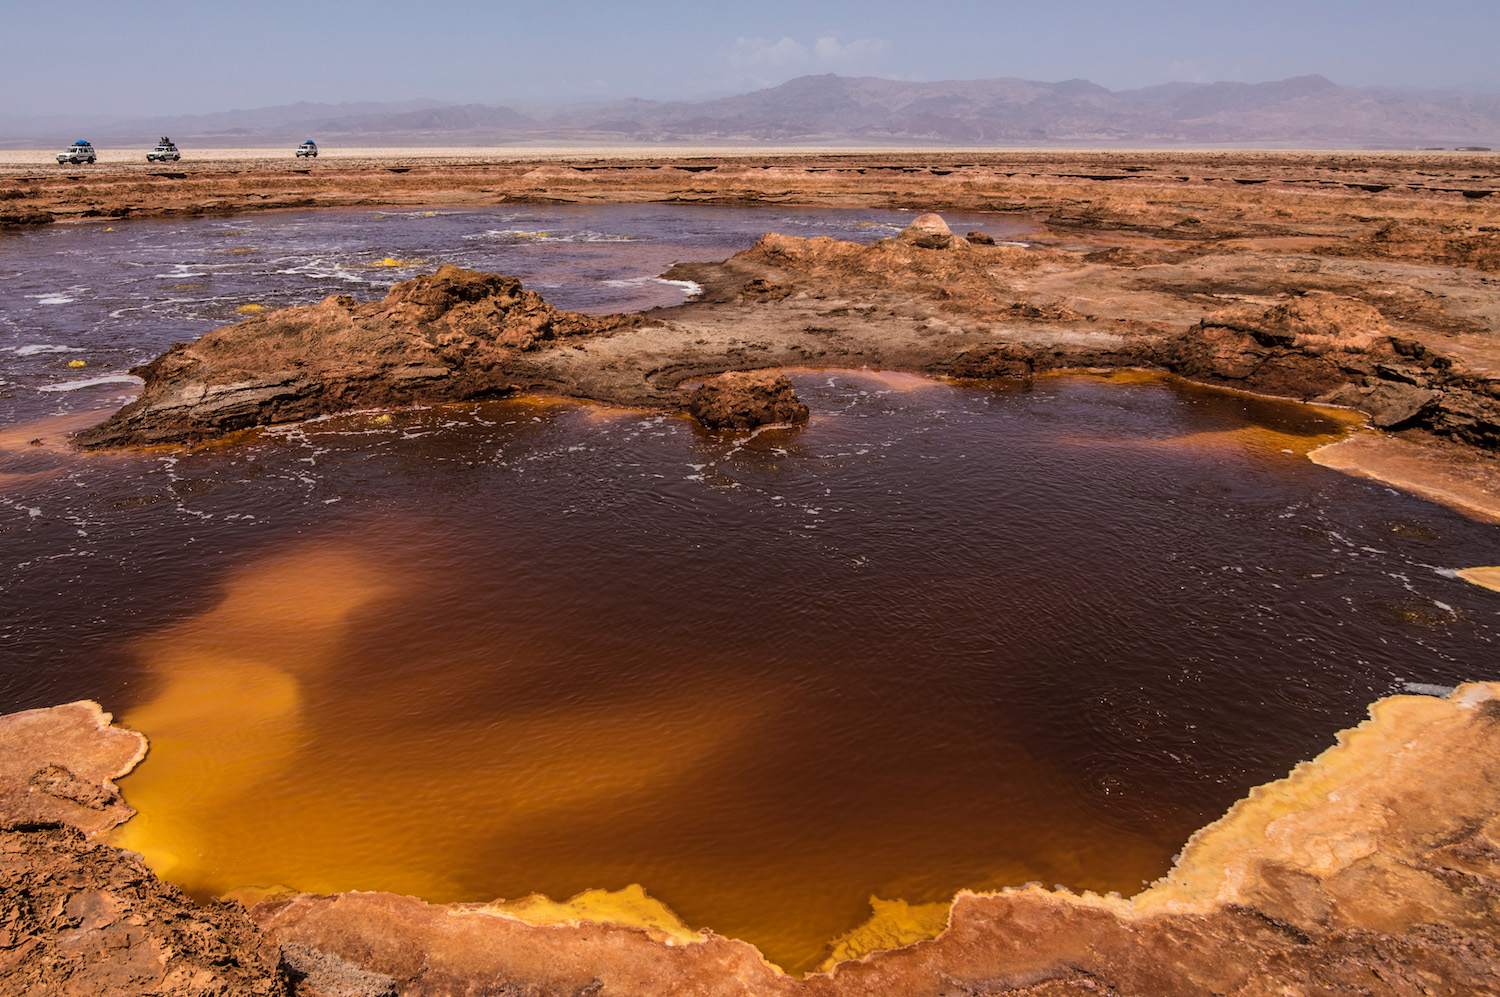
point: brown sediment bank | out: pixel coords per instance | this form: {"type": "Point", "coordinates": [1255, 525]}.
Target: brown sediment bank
{"type": "Point", "coordinates": [1361, 872]}
{"type": "Point", "coordinates": [1077, 187]}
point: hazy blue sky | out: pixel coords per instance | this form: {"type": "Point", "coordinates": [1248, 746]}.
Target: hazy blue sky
{"type": "Point", "coordinates": [174, 56]}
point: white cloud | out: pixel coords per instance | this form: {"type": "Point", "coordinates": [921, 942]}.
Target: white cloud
{"type": "Point", "coordinates": [832, 53]}
{"type": "Point", "coordinates": [767, 60]}
{"type": "Point", "coordinates": [758, 54]}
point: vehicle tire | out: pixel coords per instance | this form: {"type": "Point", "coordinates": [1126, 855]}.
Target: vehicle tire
{"type": "Point", "coordinates": [91, 160]}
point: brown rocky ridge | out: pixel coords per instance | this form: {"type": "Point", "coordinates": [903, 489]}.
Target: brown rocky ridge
{"type": "Point", "coordinates": [1361, 872]}
{"type": "Point", "coordinates": [449, 336]}
{"type": "Point", "coordinates": [925, 301]}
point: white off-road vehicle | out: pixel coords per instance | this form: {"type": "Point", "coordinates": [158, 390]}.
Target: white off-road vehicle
{"type": "Point", "coordinates": [78, 152]}
{"type": "Point", "coordinates": [309, 148]}
{"type": "Point", "coordinates": [164, 151]}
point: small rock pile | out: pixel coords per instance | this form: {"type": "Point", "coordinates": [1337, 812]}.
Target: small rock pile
{"type": "Point", "coordinates": [746, 400]}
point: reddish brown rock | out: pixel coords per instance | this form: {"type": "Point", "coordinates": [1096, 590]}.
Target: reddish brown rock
{"type": "Point", "coordinates": [58, 766]}
{"type": "Point", "coordinates": [79, 918]}
{"type": "Point", "coordinates": [928, 231]}
{"type": "Point", "coordinates": [449, 336]}
{"type": "Point", "coordinates": [17, 219]}
{"type": "Point", "coordinates": [747, 399]}
{"type": "Point", "coordinates": [1302, 348]}
{"type": "Point", "coordinates": [1340, 351]}
{"type": "Point", "coordinates": [1316, 322]}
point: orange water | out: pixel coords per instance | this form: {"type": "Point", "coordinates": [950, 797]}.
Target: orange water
{"type": "Point", "coordinates": [964, 636]}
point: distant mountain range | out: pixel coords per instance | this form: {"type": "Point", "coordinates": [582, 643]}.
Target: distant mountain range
{"type": "Point", "coordinates": [1303, 112]}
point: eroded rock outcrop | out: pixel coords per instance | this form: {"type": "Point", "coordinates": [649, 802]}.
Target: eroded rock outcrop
{"type": "Point", "coordinates": [449, 336]}
{"type": "Point", "coordinates": [1340, 351]}
{"type": "Point", "coordinates": [747, 400]}
{"type": "Point", "coordinates": [79, 918]}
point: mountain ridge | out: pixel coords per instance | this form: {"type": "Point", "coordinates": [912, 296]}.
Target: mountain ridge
{"type": "Point", "coordinates": [1309, 111]}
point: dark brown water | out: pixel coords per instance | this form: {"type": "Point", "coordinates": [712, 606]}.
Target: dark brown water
{"type": "Point", "coordinates": [945, 636]}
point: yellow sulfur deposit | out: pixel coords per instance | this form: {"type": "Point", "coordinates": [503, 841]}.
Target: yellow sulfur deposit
{"type": "Point", "coordinates": [1486, 577]}
{"type": "Point", "coordinates": [892, 924]}
{"type": "Point", "coordinates": [630, 906]}
{"type": "Point", "coordinates": [77, 363]}
{"type": "Point", "coordinates": [250, 309]}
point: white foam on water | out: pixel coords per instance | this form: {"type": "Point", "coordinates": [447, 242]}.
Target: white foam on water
{"type": "Point", "coordinates": [92, 381]}
{"type": "Point", "coordinates": [54, 299]}
{"type": "Point", "coordinates": [324, 269]}
{"type": "Point", "coordinates": [1427, 689]}
{"type": "Point", "coordinates": [526, 235]}
{"type": "Point", "coordinates": [34, 349]}
{"type": "Point", "coordinates": [690, 288]}
{"type": "Point", "coordinates": [181, 270]}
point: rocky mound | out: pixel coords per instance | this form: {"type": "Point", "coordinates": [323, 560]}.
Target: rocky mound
{"type": "Point", "coordinates": [746, 400]}
{"type": "Point", "coordinates": [449, 336]}
{"type": "Point", "coordinates": [1303, 348]}
{"type": "Point", "coordinates": [929, 231]}
{"type": "Point", "coordinates": [1315, 323]}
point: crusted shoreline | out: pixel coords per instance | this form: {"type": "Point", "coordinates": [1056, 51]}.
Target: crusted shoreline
{"type": "Point", "coordinates": [1358, 872]}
